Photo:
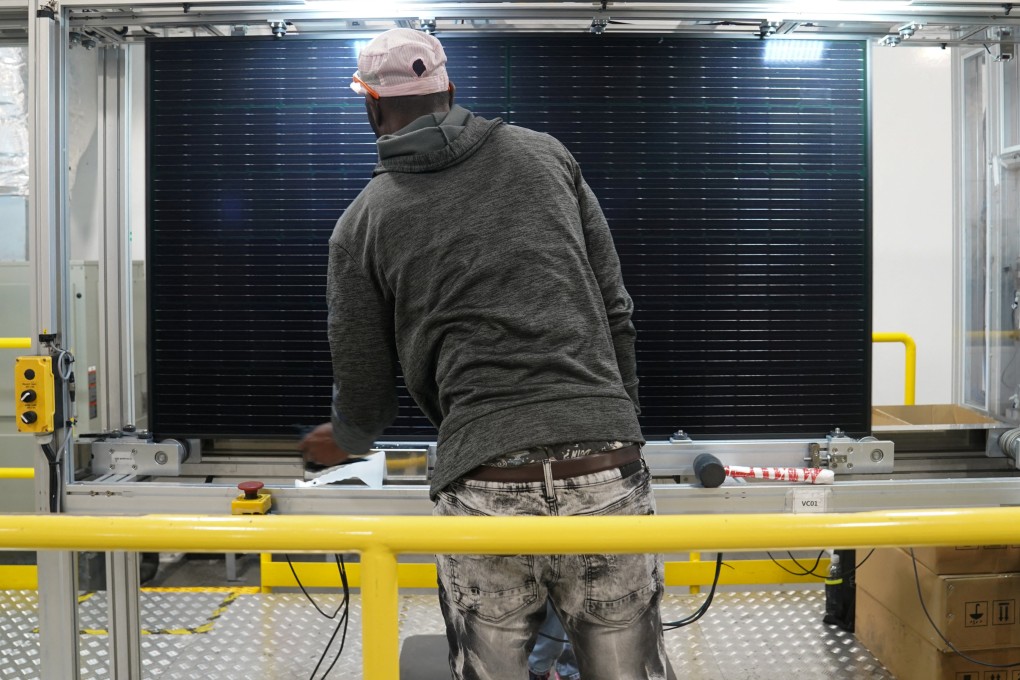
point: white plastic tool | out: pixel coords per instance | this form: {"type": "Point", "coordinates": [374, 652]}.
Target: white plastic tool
{"type": "Point", "coordinates": [370, 470]}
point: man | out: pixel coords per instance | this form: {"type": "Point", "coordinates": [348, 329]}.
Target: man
{"type": "Point", "coordinates": [480, 259]}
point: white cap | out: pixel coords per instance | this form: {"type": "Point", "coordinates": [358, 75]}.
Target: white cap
{"type": "Point", "coordinates": [401, 62]}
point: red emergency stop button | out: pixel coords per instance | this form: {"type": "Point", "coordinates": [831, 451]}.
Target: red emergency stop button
{"type": "Point", "coordinates": [251, 490]}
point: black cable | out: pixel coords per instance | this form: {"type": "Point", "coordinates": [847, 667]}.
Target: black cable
{"type": "Point", "coordinates": [343, 580]}
{"type": "Point", "coordinates": [673, 625]}
{"type": "Point", "coordinates": [861, 563]}
{"type": "Point", "coordinates": [329, 643]}
{"type": "Point", "coordinates": [344, 618]}
{"type": "Point", "coordinates": [804, 571]}
{"type": "Point", "coordinates": [920, 597]}
{"type": "Point", "coordinates": [817, 575]}
{"type": "Point", "coordinates": [818, 560]}
{"type": "Point", "coordinates": [54, 481]}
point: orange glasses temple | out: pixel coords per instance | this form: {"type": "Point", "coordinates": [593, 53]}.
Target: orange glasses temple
{"type": "Point", "coordinates": [371, 92]}
{"type": "Point", "coordinates": [374, 94]}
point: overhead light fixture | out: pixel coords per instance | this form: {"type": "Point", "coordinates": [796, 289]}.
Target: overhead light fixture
{"type": "Point", "coordinates": [789, 51]}
{"type": "Point", "coordinates": [819, 7]}
{"type": "Point", "coordinates": [362, 9]}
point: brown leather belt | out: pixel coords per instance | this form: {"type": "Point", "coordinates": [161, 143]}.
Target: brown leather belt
{"type": "Point", "coordinates": [561, 469]}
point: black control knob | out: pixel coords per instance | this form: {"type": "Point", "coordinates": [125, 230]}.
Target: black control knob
{"type": "Point", "coordinates": [28, 396]}
{"type": "Point", "coordinates": [29, 417]}
{"type": "Point", "coordinates": [29, 374]}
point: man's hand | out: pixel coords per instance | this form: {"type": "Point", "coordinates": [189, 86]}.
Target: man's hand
{"type": "Point", "coordinates": [320, 448]}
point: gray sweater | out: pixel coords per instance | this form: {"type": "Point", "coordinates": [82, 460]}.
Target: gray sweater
{"type": "Point", "coordinates": [486, 267]}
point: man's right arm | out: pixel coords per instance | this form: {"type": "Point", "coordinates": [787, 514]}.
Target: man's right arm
{"type": "Point", "coordinates": [364, 354]}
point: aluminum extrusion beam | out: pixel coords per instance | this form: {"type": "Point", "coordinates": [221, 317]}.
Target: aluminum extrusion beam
{"type": "Point", "coordinates": [115, 328]}
{"type": "Point", "coordinates": [125, 639]}
{"type": "Point", "coordinates": [47, 251]}
{"type": "Point", "coordinates": [58, 610]}
{"type": "Point", "coordinates": [58, 615]}
{"type": "Point", "coordinates": [933, 12]}
{"type": "Point", "coordinates": [671, 499]}
{"type": "Point", "coordinates": [778, 12]}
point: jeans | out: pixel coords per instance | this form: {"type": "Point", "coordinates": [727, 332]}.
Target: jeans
{"type": "Point", "coordinates": [550, 652]}
{"type": "Point", "coordinates": [609, 604]}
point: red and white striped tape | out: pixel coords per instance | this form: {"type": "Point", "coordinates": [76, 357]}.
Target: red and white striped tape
{"type": "Point", "coordinates": [782, 474]}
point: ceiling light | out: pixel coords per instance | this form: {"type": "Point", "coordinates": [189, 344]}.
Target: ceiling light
{"type": "Point", "coordinates": [788, 51]}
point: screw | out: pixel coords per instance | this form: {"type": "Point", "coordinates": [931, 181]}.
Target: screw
{"type": "Point", "coordinates": [161, 458]}
{"type": "Point", "coordinates": [877, 455]}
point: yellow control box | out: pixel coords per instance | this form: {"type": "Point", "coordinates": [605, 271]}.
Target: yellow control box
{"type": "Point", "coordinates": [35, 394]}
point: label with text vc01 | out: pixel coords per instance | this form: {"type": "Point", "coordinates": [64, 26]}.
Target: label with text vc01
{"type": "Point", "coordinates": [808, 500]}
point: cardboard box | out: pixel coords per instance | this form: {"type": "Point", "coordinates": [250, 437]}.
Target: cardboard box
{"type": "Point", "coordinates": [970, 559]}
{"type": "Point", "coordinates": [928, 415]}
{"type": "Point", "coordinates": [973, 611]}
{"type": "Point", "coordinates": [908, 656]}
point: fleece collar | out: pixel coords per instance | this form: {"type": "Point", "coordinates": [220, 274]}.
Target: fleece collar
{"type": "Point", "coordinates": [434, 142]}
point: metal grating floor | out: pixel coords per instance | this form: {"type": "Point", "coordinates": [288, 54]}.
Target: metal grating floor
{"type": "Point", "coordinates": [230, 636]}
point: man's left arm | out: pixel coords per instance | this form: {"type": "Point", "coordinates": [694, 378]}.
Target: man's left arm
{"type": "Point", "coordinates": [605, 264]}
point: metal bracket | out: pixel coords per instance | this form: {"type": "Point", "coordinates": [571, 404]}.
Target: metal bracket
{"type": "Point", "coordinates": [844, 454]}
{"type": "Point", "coordinates": [47, 11]}
{"type": "Point", "coordinates": [137, 455]}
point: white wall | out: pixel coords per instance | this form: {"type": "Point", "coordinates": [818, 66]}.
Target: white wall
{"type": "Point", "coordinates": [912, 185]}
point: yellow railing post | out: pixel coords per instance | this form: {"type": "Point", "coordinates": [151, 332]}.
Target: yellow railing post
{"type": "Point", "coordinates": [910, 378]}
{"type": "Point", "coordinates": [15, 343]}
{"type": "Point", "coordinates": [380, 640]}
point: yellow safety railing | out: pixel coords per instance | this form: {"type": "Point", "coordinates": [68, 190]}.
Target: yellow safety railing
{"type": "Point", "coordinates": [15, 343]}
{"type": "Point", "coordinates": [381, 539]}
{"type": "Point", "coordinates": [910, 346]}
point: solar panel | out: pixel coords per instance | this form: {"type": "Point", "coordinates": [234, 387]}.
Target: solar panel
{"type": "Point", "coordinates": [736, 189]}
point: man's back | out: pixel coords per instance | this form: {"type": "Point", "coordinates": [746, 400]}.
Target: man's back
{"type": "Point", "coordinates": [511, 323]}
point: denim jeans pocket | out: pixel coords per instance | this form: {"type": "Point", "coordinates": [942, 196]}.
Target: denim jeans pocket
{"type": "Point", "coordinates": [619, 588]}
{"type": "Point", "coordinates": [493, 587]}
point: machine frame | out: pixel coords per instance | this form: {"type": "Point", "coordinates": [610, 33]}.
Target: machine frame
{"type": "Point", "coordinates": [49, 28]}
